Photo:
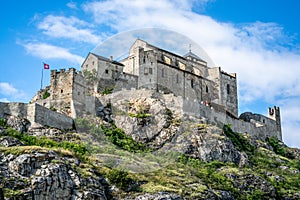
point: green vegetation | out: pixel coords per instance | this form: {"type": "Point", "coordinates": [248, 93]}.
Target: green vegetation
{"type": "Point", "coordinates": [53, 108]}
{"type": "Point", "coordinates": [107, 90]}
{"type": "Point", "coordinates": [46, 94]}
{"type": "Point", "coordinates": [90, 76]}
{"type": "Point", "coordinates": [238, 140]}
{"type": "Point", "coordinates": [114, 134]}
{"type": "Point", "coordinates": [119, 178]}
{"type": "Point", "coordinates": [9, 193]}
{"type": "Point", "coordinates": [113, 151]}
{"type": "Point", "coordinates": [3, 123]}
{"type": "Point", "coordinates": [77, 148]}
{"type": "Point", "coordinates": [273, 141]}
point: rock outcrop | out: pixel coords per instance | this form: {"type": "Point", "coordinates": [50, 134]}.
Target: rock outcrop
{"type": "Point", "coordinates": [213, 166]}
{"type": "Point", "coordinates": [46, 175]}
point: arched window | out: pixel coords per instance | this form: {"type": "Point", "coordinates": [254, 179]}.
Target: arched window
{"type": "Point", "coordinates": [228, 89]}
{"type": "Point", "coordinates": [206, 89]}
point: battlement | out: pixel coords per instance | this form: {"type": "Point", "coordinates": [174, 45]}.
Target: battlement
{"type": "Point", "coordinates": [63, 71]}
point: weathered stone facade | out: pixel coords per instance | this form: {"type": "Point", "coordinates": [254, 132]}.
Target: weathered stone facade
{"type": "Point", "coordinates": [206, 92]}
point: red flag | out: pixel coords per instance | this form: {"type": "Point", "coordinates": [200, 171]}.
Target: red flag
{"type": "Point", "coordinates": [46, 66]}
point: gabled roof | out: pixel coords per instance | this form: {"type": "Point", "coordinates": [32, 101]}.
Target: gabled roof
{"type": "Point", "coordinates": [106, 59]}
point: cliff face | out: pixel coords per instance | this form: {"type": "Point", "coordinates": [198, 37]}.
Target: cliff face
{"type": "Point", "coordinates": [143, 148]}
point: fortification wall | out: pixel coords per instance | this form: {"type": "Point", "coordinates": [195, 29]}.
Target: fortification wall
{"type": "Point", "coordinates": [36, 114]}
{"type": "Point", "coordinates": [46, 117]}
{"type": "Point", "coordinates": [209, 115]}
{"type": "Point", "coordinates": [218, 117]}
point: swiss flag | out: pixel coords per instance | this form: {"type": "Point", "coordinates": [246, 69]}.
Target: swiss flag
{"type": "Point", "coordinates": [46, 66]}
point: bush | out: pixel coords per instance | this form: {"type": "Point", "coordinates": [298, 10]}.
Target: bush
{"type": "Point", "coordinates": [274, 143]}
{"type": "Point", "coordinates": [119, 178]}
{"type": "Point", "coordinates": [46, 94]}
{"type": "Point", "coordinates": [3, 123]}
{"type": "Point", "coordinates": [108, 90]}
{"type": "Point", "coordinates": [118, 137]}
{"type": "Point", "coordinates": [238, 140]}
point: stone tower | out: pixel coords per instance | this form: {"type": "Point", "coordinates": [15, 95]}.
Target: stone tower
{"type": "Point", "coordinates": [274, 113]}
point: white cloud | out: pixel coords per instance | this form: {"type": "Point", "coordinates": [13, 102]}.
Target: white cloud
{"type": "Point", "coordinates": [68, 27]}
{"type": "Point", "coordinates": [264, 57]}
{"type": "Point", "coordinates": [72, 5]}
{"type": "Point", "coordinates": [7, 89]}
{"type": "Point", "coordinates": [10, 92]}
{"type": "Point", "coordinates": [46, 51]}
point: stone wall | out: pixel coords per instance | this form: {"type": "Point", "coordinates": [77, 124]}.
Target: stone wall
{"type": "Point", "coordinates": [228, 88]}
{"type": "Point", "coordinates": [208, 114]}
{"type": "Point", "coordinates": [37, 115]}
{"type": "Point", "coordinates": [50, 118]}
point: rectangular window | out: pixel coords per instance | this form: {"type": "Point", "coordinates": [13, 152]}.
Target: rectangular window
{"type": "Point", "coordinates": [177, 78]}
{"type": "Point", "coordinates": [146, 71]}
{"type": "Point", "coordinates": [106, 71]}
{"type": "Point", "coordinates": [150, 70]}
{"type": "Point", "coordinates": [163, 73]}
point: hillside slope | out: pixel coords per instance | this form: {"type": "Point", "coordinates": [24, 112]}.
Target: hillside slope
{"type": "Point", "coordinates": [143, 149]}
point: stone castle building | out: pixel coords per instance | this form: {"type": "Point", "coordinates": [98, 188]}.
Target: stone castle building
{"type": "Point", "coordinates": [151, 68]}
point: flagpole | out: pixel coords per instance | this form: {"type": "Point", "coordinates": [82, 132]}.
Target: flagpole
{"type": "Point", "coordinates": [42, 78]}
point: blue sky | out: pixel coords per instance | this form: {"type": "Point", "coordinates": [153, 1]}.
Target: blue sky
{"type": "Point", "coordinates": [258, 39]}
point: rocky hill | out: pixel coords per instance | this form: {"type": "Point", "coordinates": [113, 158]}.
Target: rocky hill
{"type": "Point", "coordinates": [143, 148]}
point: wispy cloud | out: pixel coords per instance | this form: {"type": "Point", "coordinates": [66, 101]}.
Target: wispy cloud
{"type": "Point", "coordinates": [46, 51]}
{"type": "Point", "coordinates": [72, 5]}
{"type": "Point", "coordinates": [9, 93]}
{"type": "Point", "coordinates": [68, 27]}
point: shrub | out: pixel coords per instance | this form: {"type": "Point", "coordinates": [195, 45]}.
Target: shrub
{"type": "Point", "coordinates": [108, 90]}
{"type": "Point", "coordinates": [46, 94]}
{"type": "Point", "coordinates": [273, 141]}
{"type": "Point", "coordinates": [118, 137]}
{"type": "Point", "coordinates": [119, 178]}
{"type": "Point", "coordinates": [238, 140]}
{"type": "Point", "coordinates": [3, 123]}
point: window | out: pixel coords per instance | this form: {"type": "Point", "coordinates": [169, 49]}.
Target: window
{"type": "Point", "coordinates": [106, 71]}
{"type": "Point", "coordinates": [93, 62]}
{"type": "Point", "coordinates": [206, 89]}
{"type": "Point", "coordinates": [61, 91]}
{"type": "Point", "coordinates": [228, 89]}
{"type": "Point", "coordinates": [146, 71]}
{"type": "Point", "coordinates": [177, 78]}
{"type": "Point", "coordinates": [150, 70]}
{"type": "Point", "coordinates": [192, 83]}
{"type": "Point", "coordinates": [163, 73]}
{"type": "Point", "coordinates": [144, 59]}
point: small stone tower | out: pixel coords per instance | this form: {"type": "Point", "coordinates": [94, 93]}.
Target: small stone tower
{"type": "Point", "coordinates": [274, 113]}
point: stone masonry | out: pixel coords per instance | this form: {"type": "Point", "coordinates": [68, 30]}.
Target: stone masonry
{"type": "Point", "coordinates": [205, 92]}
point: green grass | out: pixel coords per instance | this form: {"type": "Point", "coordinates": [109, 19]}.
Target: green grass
{"type": "Point", "coordinates": [77, 148]}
